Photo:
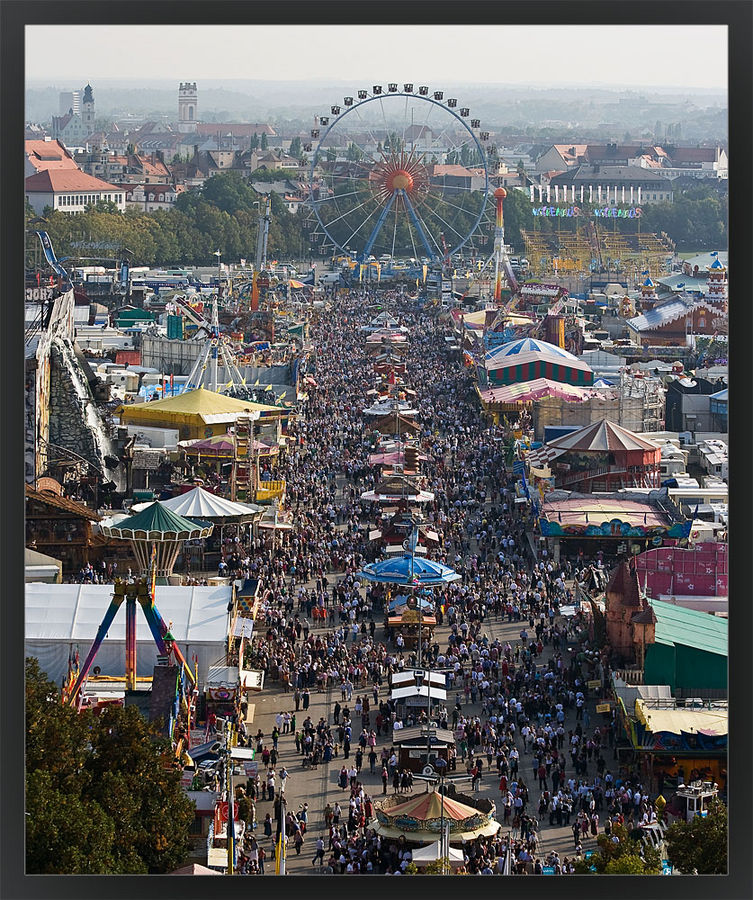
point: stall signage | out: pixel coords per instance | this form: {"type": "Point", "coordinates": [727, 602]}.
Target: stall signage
{"type": "Point", "coordinates": [605, 212]}
{"type": "Point", "coordinates": [250, 769]}
{"type": "Point", "coordinates": [547, 870]}
{"type": "Point", "coordinates": [593, 685]}
{"type": "Point", "coordinates": [603, 707]}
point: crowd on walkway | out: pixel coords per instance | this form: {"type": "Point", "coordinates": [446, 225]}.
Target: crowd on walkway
{"type": "Point", "coordinates": [519, 709]}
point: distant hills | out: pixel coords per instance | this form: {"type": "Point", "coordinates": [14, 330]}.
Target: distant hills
{"type": "Point", "coordinates": [701, 114]}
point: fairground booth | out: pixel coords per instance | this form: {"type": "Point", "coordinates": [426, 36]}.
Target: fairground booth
{"type": "Point", "coordinates": [412, 699]}
{"type": "Point", "coordinates": [418, 747]}
{"type": "Point", "coordinates": [602, 456]}
{"type": "Point", "coordinates": [580, 525]}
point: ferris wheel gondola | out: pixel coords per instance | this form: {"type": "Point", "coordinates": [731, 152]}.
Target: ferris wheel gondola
{"type": "Point", "coordinates": [398, 173]}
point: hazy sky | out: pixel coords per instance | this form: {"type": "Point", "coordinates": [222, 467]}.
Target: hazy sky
{"type": "Point", "coordinates": [615, 55]}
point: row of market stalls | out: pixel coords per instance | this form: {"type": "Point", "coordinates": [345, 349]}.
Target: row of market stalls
{"type": "Point", "coordinates": [661, 672]}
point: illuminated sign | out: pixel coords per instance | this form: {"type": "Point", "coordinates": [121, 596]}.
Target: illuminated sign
{"type": "Point", "coordinates": [556, 211]}
{"type": "Point", "coordinates": [615, 212]}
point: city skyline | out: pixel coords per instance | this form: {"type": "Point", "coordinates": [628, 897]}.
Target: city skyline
{"type": "Point", "coordinates": [537, 56]}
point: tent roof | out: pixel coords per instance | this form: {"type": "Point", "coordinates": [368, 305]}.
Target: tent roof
{"type": "Point", "coordinates": [202, 504]}
{"type": "Point", "coordinates": [199, 402]}
{"type": "Point", "coordinates": [195, 869]}
{"type": "Point", "coordinates": [437, 693]}
{"type": "Point", "coordinates": [603, 435]}
{"type": "Point", "coordinates": [404, 570]}
{"type": "Point", "coordinates": [515, 349]}
{"type": "Point", "coordinates": [682, 719]}
{"type": "Point", "coordinates": [432, 852]}
{"type": "Point", "coordinates": [429, 806]}
{"type": "Point", "coordinates": [220, 444]}
{"type": "Point", "coordinates": [157, 519]}
{"type": "Point", "coordinates": [537, 389]}
{"type": "Point", "coordinates": [73, 612]}
{"type": "Point", "coordinates": [690, 628]}
{"type": "Point", "coordinates": [35, 558]}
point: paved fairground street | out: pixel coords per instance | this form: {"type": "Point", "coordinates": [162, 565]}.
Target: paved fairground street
{"type": "Point", "coordinates": [509, 630]}
{"type": "Point", "coordinates": [375, 468]}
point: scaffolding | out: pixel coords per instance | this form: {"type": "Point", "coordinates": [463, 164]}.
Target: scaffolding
{"type": "Point", "coordinates": [243, 478]}
{"type": "Point", "coordinates": [579, 249]}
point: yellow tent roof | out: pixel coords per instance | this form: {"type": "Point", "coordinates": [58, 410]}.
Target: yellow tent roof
{"type": "Point", "coordinates": [200, 402]}
{"type": "Point", "coordinates": [674, 721]}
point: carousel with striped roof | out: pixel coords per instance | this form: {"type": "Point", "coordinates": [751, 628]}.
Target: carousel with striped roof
{"type": "Point", "coordinates": [420, 818]}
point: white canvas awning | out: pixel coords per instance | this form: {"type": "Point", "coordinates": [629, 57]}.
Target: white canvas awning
{"type": "Point", "coordinates": [433, 852]}
{"type": "Point", "coordinates": [412, 691]}
{"type": "Point", "coordinates": [62, 618]}
{"type": "Point", "coordinates": [401, 679]}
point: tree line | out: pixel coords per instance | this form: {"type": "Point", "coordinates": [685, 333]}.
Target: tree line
{"type": "Point", "coordinates": [224, 214]}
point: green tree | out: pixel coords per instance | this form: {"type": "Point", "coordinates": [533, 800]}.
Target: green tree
{"type": "Point", "coordinates": [700, 844]}
{"type": "Point", "coordinates": [254, 143]}
{"type": "Point", "coordinates": [296, 148]}
{"type": "Point", "coordinates": [625, 856]}
{"type": "Point", "coordinates": [438, 866]}
{"type": "Point", "coordinates": [264, 141]}
{"type": "Point", "coordinates": [102, 794]}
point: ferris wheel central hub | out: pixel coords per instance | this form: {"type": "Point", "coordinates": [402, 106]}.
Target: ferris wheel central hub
{"type": "Point", "coordinates": [400, 180]}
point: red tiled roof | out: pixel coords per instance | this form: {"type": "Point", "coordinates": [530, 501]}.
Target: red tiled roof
{"type": "Point", "coordinates": [61, 121]}
{"type": "Point", "coordinates": [460, 171]}
{"type": "Point", "coordinates": [45, 155]}
{"type": "Point", "coordinates": [58, 180]}
{"type": "Point", "coordinates": [564, 150]}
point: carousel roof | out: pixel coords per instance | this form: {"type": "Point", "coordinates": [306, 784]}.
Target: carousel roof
{"type": "Point", "coordinates": [603, 435]}
{"type": "Point", "coordinates": [157, 523]}
{"type": "Point", "coordinates": [409, 570]}
{"type": "Point", "coordinates": [202, 504]}
{"type": "Point", "coordinates": [423, 814]}
{"type": "Point", "coordinates": [220, 445]}
{"type": "Point", "coordinates": [527, 345]}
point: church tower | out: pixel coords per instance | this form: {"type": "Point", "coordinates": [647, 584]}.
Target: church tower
{"type": "Point", "coordinates": [716, 285]}
{"type": "Point", "coordinates": [188, 107]}
{"type": "Point", "coordinates": [649, 297]}
{"type": "Point", "coordinates": [87, 110]}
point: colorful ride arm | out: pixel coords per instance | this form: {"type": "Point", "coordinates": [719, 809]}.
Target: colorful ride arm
{"type": "Point", "coordinates": [112, 609]}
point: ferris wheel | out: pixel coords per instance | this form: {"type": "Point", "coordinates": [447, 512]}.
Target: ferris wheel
{"type": "Point", "coordinates": [398, 173]}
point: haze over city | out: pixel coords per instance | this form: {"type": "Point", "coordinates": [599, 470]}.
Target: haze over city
{"type": "Point", "coordinates": [589, 56]}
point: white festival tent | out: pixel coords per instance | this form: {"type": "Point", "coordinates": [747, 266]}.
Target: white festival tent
{"type": "Point", "coordinates": [201, 504]}
{"type": "Point", "coordinates": [61, 618]}
{"type": "Point", "coordinates": [432, 852]}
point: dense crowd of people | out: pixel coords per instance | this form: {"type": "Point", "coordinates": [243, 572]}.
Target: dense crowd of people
{"type": "Point", "coordinates": [518, 709]}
